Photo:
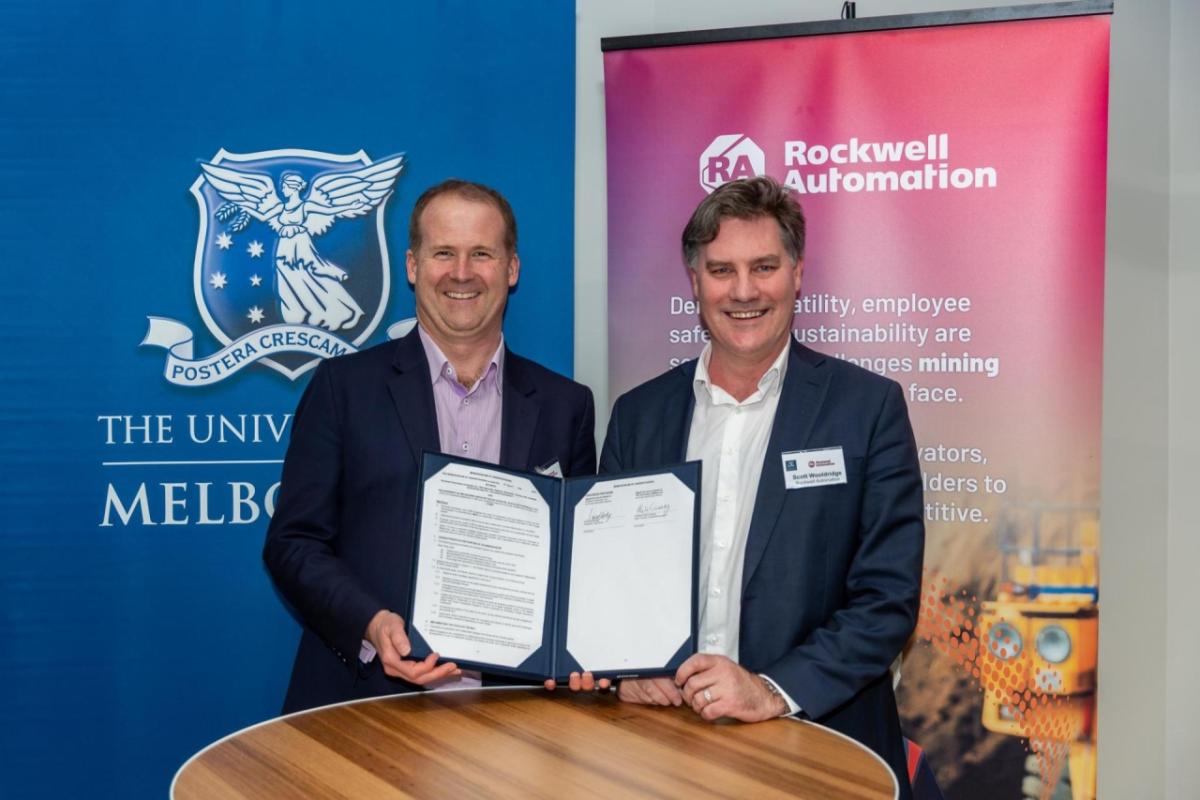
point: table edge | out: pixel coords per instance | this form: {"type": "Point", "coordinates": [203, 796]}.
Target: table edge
{"type": "Point", "coordinates": [248, 728]}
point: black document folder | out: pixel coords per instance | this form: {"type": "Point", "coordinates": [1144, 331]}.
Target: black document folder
{"type": "Point", "coordinates": [614, 559]}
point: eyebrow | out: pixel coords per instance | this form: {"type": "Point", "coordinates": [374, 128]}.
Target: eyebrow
{"type": "Point", "coordinates": [764, 259]}
{"type": "Point", "coordinates": [471, 247]}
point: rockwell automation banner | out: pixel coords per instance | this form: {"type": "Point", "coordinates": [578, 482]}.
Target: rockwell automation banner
{"type": "Point", "coordinates": [954, 182]}
{"type": "Point", "coordinates": [167, 169]}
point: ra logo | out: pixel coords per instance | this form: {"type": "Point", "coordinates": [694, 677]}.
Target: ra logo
{"type": "Point", "coordinates": [728, 158]}
{"type": "Point", "coordinates": [291, 262]}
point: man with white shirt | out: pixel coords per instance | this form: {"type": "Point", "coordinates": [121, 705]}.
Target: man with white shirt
{"type": "Point", "coordinates": [812, 534]}
{"type": "Point", "coordinates": [340, 545]}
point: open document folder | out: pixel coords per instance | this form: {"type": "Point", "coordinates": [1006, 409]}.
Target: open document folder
{"type": "Point", "coordinates": [534, 576]}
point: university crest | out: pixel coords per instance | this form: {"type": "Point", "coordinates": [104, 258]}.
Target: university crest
{"type": "Point", "coordinates": [291, 262]}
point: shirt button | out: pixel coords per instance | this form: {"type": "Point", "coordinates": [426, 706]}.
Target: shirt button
{"type": "Point", "coordinates": [466, 401]}
{"type": "Point", "coordinates": [737, 409]}
{"type": "Point", "coordinates": [713, 638]}
{"type": "Point", "coordinates": [716, 591]}
{"type": "Point", "coordinates": [722, 544]}
{"type": "Point", "coordinates": [465, 447]}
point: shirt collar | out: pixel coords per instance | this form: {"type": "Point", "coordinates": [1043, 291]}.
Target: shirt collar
{"type": "Point", "coordinates": [769, 383]}
{"type": "Point", "coordinates": [440, 367]}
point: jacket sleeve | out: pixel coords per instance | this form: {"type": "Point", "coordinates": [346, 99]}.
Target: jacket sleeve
{"type": "Point", "coordinates": [301, 551]}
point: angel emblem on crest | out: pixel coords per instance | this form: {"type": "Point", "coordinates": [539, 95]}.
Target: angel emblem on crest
{"type": "Point", "coordinates": [291, 258]}
{"type": "Point", "coordinates": [310, 287]}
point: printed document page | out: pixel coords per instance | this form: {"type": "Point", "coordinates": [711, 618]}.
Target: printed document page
{"type": "Point", "coordinates": [483, 565]}
{"type": "Point", "coordinates": [631, 573]}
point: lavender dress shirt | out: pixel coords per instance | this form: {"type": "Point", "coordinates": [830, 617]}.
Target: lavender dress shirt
{"type": "Point", "coordinates": [468, 426]}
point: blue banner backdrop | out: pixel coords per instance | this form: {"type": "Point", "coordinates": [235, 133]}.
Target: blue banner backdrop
{"type": "Point", "coordinates": [153, 355]}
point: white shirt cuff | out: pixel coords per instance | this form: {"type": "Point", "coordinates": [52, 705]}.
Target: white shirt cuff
{"type": "Point", "coordinates": [793, 708]}
{"type": "Point", "coordinates": [366, 653]}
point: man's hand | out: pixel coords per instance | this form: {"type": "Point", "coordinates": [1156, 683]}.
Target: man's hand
{"type": "Point", "coordinates": [580, 682]}
{"type": "Point", "coordinates": [650, 691]}
{"type": "Point", "coordinates": [386, 633]}
{"type": "Point", "coordinates": [716, 687]}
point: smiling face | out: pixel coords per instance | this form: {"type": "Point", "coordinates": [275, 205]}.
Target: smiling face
{"type": "Point", "coordinates": [461, 272]}
{"type": "Point", "coordinates": [746, 285]}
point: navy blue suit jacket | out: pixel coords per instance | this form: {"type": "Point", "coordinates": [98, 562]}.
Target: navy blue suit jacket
{"type": "Point", "coordinates": [340, 544]}
{"type": "Point", "coordinates": [832, 574]}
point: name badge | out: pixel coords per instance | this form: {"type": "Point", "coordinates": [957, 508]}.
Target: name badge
{"type": "Point", "coordinates": [804, 469]}
{"type": "Point", "coordinates": [553, 470]}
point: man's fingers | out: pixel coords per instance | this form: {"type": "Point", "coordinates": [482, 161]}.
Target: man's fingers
{"type": "Point", "coordinates": [586, 682]}
{"type": "Point", "coordinates": [388, 657]}
{"type": "Point", "coordinates": [399, 639]}
{"type": "Point", "coordinates": [714, 710]}
{"type": "Point", "coordinates": [550, 684]}
{"type": "Point", "coordinates": [698, 683]}
{"type": "Point", "coordinates": [669, 690]}
{"type": "Point", "coordinates": [701, 691]}
{"type": "Point", "coordinates": [427, 664]}
{"type": "Point", "coordinates": [655, 694]}
{"type": "Point", "coordinates": [386, 629]}
{"type": "Point", "coordinates": [407, 669]}
{"type": "Point", "coordinates": [633, 691]}
{"type": "Point", "coordinates": [663, 692]}
{"type": "Point", "coordinates": [447, 670]}
{"type": "Point", "coordinates": [695, 663]}
{"type": "Point", "coordinates": [423, 672]}
{"type": "Point", "coordinates": [428, 671]}
{"type": "Point", "coordinates": [604, 685]}
{"type": "Point", "coordinates": [646, 687]}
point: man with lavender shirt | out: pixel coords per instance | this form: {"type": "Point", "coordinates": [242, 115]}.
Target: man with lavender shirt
{"type": "Point", "coordinates": [340, 544]}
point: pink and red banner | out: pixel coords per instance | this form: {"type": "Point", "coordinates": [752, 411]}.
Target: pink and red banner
{"type": "Point", "coordinates": [954, 183]}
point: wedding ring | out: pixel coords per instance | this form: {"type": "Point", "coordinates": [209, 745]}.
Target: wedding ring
{"type": "Point", "coordinates": [707, 696]}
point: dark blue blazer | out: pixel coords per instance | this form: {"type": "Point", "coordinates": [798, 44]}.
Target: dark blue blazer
{"type": "Point", "coordinates": [832, 574]}
{"type": "Point", "coordinates": [340, 545]}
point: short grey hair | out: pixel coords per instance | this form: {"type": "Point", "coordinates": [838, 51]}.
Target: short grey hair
{"type": "Point", "coordinates": [745, 199]}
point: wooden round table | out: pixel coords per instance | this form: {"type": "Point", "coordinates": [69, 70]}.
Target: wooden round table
{"type": "Point", "coordinates": [528, 743]}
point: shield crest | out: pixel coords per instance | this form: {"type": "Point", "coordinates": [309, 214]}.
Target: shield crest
{"type": "Point", "coordinates": [293, 240]}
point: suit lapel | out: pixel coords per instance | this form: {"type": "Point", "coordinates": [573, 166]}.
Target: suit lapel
{"type": "Point", "coordinates": [412, 396]}
{"type": "Point", "coordinates": [519, 414]}
{"type": "Point", "coordinates": [803, 391]}
{"type": "Point", "coordinates": [676, 421]}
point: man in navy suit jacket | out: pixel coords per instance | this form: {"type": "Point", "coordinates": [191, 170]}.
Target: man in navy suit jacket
{"type": "Point", "coordinates": [340, 544]}
{"type": "Point", "coordinates": [812, 512]}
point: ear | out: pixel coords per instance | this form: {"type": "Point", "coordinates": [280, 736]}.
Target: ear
{"type": "Point", "coordinates": [514, 270]}
{"type": "Point", "coordinates": [798, 275]}
{"type": "Point", "coordinates": [694, 277]}
{"type": "Point", "coordinates": [410, 265]}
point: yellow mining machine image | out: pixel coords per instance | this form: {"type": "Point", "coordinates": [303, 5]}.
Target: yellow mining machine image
{"type": "Point", "coordinates": [1039, 648]}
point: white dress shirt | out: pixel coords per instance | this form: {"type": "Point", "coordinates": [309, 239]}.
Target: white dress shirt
{"type": "Point", "coordinates": [730, 438]}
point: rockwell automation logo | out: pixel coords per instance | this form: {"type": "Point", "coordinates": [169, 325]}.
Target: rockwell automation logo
{"type": "Point", "coordinates": [850, 165]}
{"type": "Point", "coordinates": [729, 157]}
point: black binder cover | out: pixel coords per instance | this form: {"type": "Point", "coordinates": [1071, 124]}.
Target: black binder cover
{"type": "Point", "coordinates": [552, 660]}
